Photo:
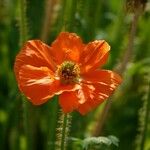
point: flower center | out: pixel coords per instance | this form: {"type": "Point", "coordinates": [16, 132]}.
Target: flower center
{"type": "Point", "coordinates": [68, 72]}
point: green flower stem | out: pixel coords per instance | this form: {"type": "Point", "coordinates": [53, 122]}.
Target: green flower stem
{"type": "Point", "coordinates": [23, 37]}
{"type": "Point", "coordinates": [63, 139]}
{"type": "Point", "coordinates": [146, 116]}
{"type": "Point", "coordinates": [23, 21]}
{"type": "Point", "coordinates": [68, 15]}
{"type": "Point", "coordinates": [63, 129]}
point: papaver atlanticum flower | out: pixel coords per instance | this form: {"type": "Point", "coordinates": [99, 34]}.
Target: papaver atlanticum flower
{"type": "Point", "coordinates": [68, 68]}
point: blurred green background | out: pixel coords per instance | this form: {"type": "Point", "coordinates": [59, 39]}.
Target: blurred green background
{"type": "Point", "coordinates": [125, 25]}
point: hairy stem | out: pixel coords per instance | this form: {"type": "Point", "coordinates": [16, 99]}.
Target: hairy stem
{"type": "Point", "coordinates": [129, 52]}
{"type": "Point", "coordinates": [146, 115]}
{"type": "Point", "coordinates": [49, 5]}
{"type": "Point", "coordinates": [63, 129]}
{"type": "Point", "coordinates": [23, 38]}
{"type": "Point", "coordinates": [143, 120]}
{"type": "Point", "coordinates": [23, 21]}
{"type": "Point", "coordinates": [68, 14]}
{"type": "Point", "coordinates": [63, 139]}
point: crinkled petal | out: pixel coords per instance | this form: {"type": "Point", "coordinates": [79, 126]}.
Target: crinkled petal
{"type": "Point", "coordinates": [94, 55]}
{"type": "Point", "coordinates": [102, 84]}
{"type": "Point", "coordinates": [69, 101]}
{"type": "Point", "coordinates": [98, 95]}
{"type": "Point", "coordinates": [37, 83]}
{"type": "Point", "coordinates": [34, 53]}
{"type": "Point", "coordinates": [67, 46]}
{"type": "Point", "coordinates": [102, 76]}
{"type": "Point", "coordinates": [89, 105]}
{"type": "Point", "coordinates": [66, 87]}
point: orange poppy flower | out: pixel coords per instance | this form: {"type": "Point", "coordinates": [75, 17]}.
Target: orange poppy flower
{"type": "Point", "coordinates": [68, 68]}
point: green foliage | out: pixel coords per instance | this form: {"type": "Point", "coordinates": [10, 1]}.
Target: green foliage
{"type": "Point", "coordinates": [128, 118]}
{"type": "Point", "coordinates": [95, 143]}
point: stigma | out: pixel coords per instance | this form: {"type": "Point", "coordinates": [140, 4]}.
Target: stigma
{"type": "Point", "coordinates": [68, 72]}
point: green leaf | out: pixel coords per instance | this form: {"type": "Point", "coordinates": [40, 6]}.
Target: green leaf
{"type": "Point", "coordinates": [96, 141]}
{"type": "Point", "coordinates": [110, 140]}
{"type": "Point", "coordinates": [114, 140]}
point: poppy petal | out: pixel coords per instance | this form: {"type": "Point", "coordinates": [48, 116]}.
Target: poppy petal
{"type": "Point", "coordinates": [94, 55]}
{"type": "Point", "coordinates": [89, 105]}
{"type": "Point", "coordinates": [68, 101]}
{"type": "Point", "coordinates": [101, 93]}
{"type": "Point", "coordinates": [104, 83]}
{"type": "Point", "coordinates": [69, 47]}
{"type": "Point", "coordinates": [34, 53]}
{"type": "Point", "coordinates": [66, 87]}
{"type": "Point", "coordinates": [102, 76]}
{"type": "Point", "coordinates": [37, 83]}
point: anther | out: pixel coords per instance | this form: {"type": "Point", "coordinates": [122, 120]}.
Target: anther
{"type": "Point", "coordinates": [68, 72]}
